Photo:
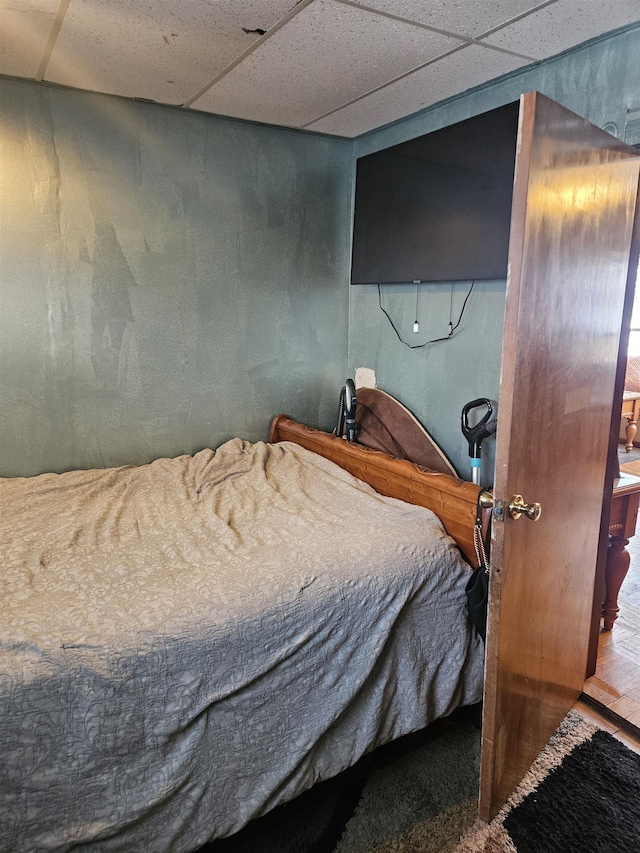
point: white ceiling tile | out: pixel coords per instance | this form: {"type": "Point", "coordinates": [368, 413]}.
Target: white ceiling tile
{"type": "Point", "coordinates": [565, 24]}
{"type": "Point", "coordinates": [165, 51]}
{"type": "Point", "coordinates": [25, 26]}
{"type": "Point", "coordinates": [324, 57]}
{"type": "Point", "coordinates": [468, 67]}
{"type": "Point", "coordinates": [465, 17]}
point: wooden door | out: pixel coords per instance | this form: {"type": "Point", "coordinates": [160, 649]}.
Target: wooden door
{"type": "Point", "coordinates": [574, 197]}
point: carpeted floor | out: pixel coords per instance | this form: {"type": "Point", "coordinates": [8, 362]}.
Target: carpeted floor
{"type": "Point", "coordinates": [582, 795]}
{"type": "Point", "coordinates": [419, 795]}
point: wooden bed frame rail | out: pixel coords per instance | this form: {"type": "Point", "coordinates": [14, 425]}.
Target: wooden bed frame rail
{"type": "Point", "coordinates": [454, 501]}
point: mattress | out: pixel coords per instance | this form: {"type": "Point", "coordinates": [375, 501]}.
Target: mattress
{"type": "Point", "coordinates": [187, 644]}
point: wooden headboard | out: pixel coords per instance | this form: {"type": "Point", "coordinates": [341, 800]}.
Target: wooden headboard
{"type": "Point", "coordinates": [454, 501]}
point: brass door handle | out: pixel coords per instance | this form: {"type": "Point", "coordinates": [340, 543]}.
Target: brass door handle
{"type": "Point", "coordinates": [518, 507]}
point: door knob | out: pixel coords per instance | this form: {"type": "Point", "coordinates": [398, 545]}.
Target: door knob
{"type": "Point", "coordinates": [518, 507]}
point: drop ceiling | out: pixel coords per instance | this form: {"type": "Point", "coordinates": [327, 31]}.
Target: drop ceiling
{"type": "Point", "coordinates": [342, 67]}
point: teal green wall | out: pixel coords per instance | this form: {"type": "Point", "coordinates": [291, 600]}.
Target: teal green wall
{"type": "Point", "coordinates": [599, 81]}
{"type": "Point", "coordinates": [167, 279]}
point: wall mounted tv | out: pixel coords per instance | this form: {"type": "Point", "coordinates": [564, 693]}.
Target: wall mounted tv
{"type": "Point", "coordinates": [437, 208]}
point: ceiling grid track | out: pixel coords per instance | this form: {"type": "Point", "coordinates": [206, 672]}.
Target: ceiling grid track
{"type": "Point", "coordinates": [468, 40]}
{"type": "Point", "coordinates": [300, 5]}
{"type": "Point", "coordinates": [450, 33]}
{"type": "Point", "coordinates": [53, 37]}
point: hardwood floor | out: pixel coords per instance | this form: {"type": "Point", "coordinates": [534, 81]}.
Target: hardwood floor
{"type": "Point", "coordinates": [597, 719]}
{"type": "Point", "coordinates": [616, 683]}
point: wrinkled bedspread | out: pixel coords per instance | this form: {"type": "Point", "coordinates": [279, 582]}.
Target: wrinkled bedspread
{"type": "Point", "coordinates": [186, 644]}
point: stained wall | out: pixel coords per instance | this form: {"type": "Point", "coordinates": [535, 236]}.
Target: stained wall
{"type": "Point", "coordinates": [167, 279]}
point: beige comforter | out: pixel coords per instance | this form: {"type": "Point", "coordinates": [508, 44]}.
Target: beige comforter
{"type": "Point", "coordinates": [186, 644]}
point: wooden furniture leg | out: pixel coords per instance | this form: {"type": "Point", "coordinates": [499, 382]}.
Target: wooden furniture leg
{"type": "Point", "coordinates": [630, 411]}
{"type": "Point", "coordinates": [622, 526]}
{"type": "Point", "coordinates": [618, 561]}
{"type": "Point", "coordinates": [630, 433]}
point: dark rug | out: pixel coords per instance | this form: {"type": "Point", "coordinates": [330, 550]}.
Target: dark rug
{"type": "Point", "coordinates": [601, 780]}
{"type": "Point", "coordinates": [581, 796]}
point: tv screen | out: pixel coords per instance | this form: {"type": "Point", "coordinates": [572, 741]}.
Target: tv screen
{"type": "Point", "coordinates": [437, 208]}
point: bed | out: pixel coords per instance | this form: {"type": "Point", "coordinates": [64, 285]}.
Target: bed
{"type": "Point", "coordinates": [187, 644]}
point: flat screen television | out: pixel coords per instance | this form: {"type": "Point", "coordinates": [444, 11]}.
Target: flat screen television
{"type": "Point", "coordinates": [438, 207]}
